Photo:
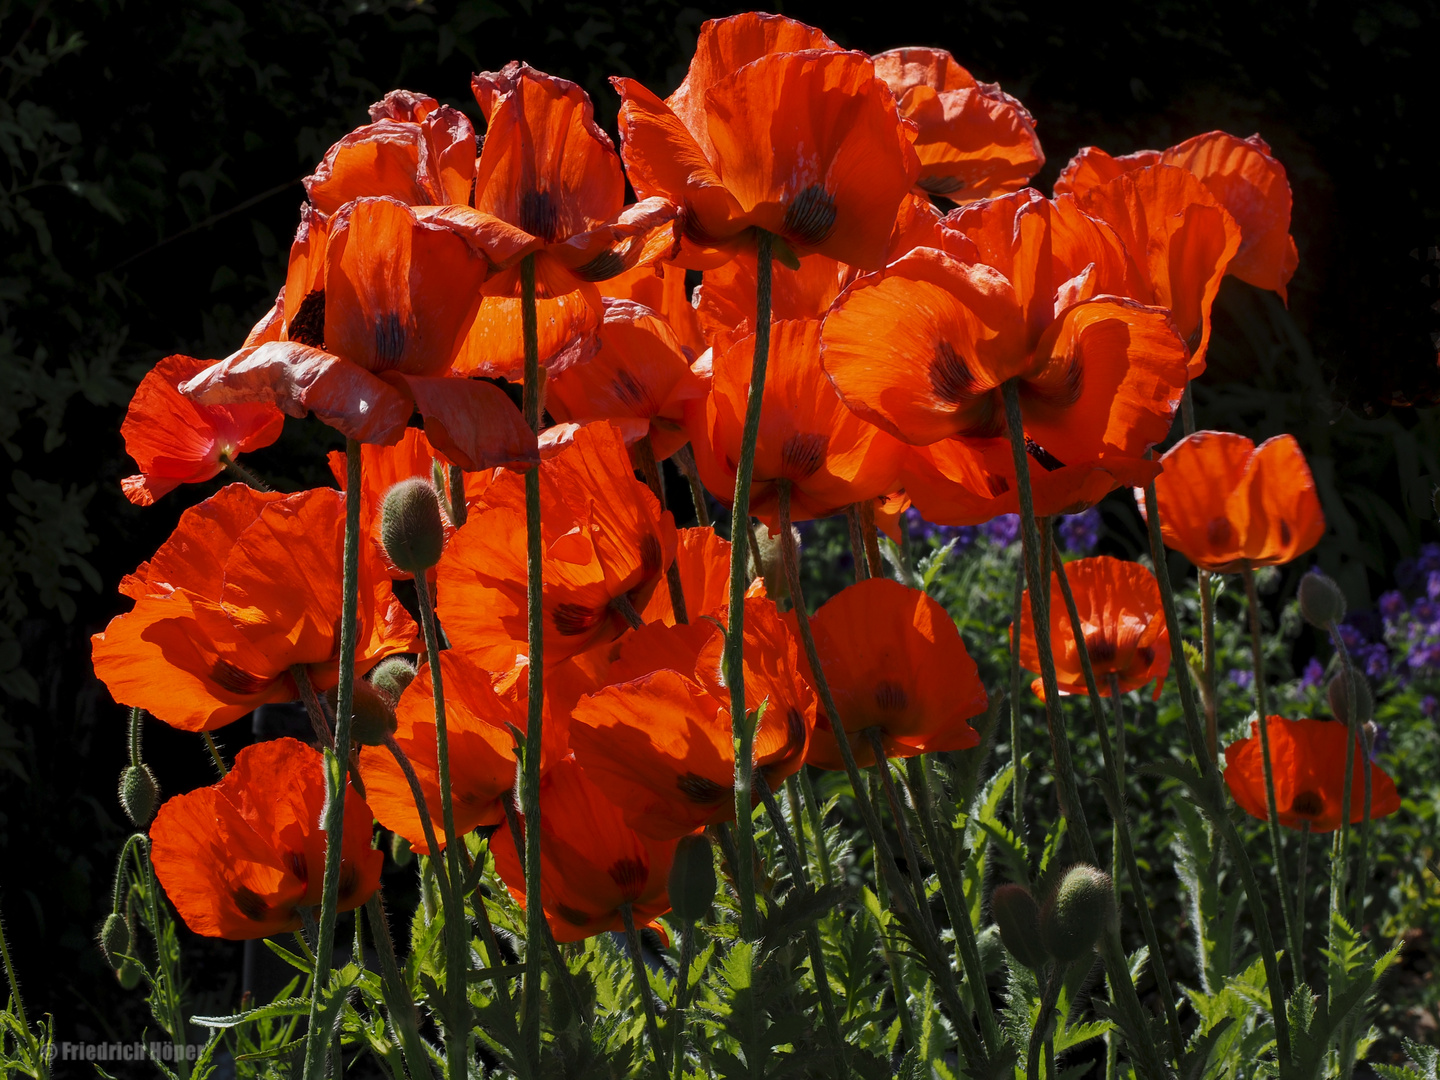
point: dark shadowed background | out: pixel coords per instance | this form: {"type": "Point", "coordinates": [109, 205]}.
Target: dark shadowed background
{"type": "Point", "coordinates": [150, 158]}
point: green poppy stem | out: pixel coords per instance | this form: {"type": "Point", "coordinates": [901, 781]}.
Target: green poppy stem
{"type": "Point", "coordinates": [814, 812]}
{"type": "Point", "coordinates": [337, 765]}
{"type": "Point", "coordinates": [685, 461]}
{"type": "Point", "coordinates": [689, 937]}
{"type": "Point", "coordinates": [215, 757]}
{"type": "Point", "coordinates": [459, 512]}
{"type": "Point", "coordinates": [1017, 782]}
{"type": "Point", "coordinates": [1207, 646]}
{"type": "Point", "coordinates": [1300, 899]}
{"type": "Point", "coordinates": [650, 469]}
{"type": "Point", "coordinates": [398, 1001]}
{"type": "Point", "coordinates": [642, 982]}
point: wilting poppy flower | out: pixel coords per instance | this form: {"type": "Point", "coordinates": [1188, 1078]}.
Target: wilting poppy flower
{"type": "Point", "coordinates": [661, 288]}
{"type": "Point", "coordinates": [591, 862]}
{"type": "Point", "coordinates": [1180, 241]}
{"type": "Point", "coordinates": [1307, 758]}
{"type": "Point", "coordinates": [773, 128]}
{"type": "Point", "coordinates": [603, 537]}
{"type": "Point", "coordinates": [1226, 504]}
{"type": "Point", "coordinates": [923, 348]}
{"type": "Point", "coordinates": [247, 586]}
{"type": "Point", "coordinates": [175, 441]}
{"type": "Point", "coordinates": [384, 302]}
{"type": "Point", "coordinates": [725, 301]}
{"type": "Point", "coordinates": [1241, 173]}
{"type": "Point", "coordinates": [240, 858]}
{"type": "Point", "coordinates": [479, 712]}
{"type": "Point", "coordinates": [894, 661]}
{"type": "Point", "coordinates": [414, 149]}
{"type": "Point", "coordinates": [658, 740]}
{"type": "Point", "coordinates": [1121, 619]}
{"type": "Point", "coordinates": [631, 370]}
{"type": "Point", "coordinates": [807, 436]}
{"type": "Point", "coordinates": [973, 139]}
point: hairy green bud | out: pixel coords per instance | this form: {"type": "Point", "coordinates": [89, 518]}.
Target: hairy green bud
{"type": "Point", "coordinates": [692, 878]}
{"type": "Point", "coordinates": [391, 676]}
{"type": "Point", "coordinates": [1082, 906]}
{"type": "Point", "coordinates": [139, 794]}
{"type": "Point", "coordinates": [411, 527]}
{"type": "Point", "coordinates": [1018, 917]}
{"type": "Point", "coordinates": [1321, 601]}
{"type": "Point", "coordinates": [1340, 702]}
{"type": "Point", "coordinates": [114, 937]}
{"type": "Point", "coordinates": [372, 714]}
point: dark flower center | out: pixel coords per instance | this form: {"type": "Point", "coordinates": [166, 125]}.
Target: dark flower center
{"type": "Point", "coordinates": [809, 217]}
{"type": "Point", "coordinates": [539, 216]}
{"type": "Point", "coordinates": [700, 789]}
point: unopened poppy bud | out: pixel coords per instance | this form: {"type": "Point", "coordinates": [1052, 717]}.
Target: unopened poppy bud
{"type": "Point", "coordinates": [129, 974]}
{"type": "Point", "coordinates": [1018, 917]}
{"type": "Point", "coordinates": [139, 794]}
{"type": "Point", "coordinates": [400, 850]}
{"type": "Point", "coordinates": [114, 937]}
{"type": "Point", "coordinates": [392, 676]}
{"type": "Point", "coordinates": [991, 949]}
{"type": "Point", "coordinates": [1078, 913]}
{"type": "Point", "coordinates": [372, 715]}
{"type": "Point", "coordinates": [1321, 601]}
{"type": "Point", "coordinates": [1340, 702]}
{"type": "Point", "coordinates": [692, 878]}
{"type": "Point", "coordinates": [410, 526]}
{"type": "Point", "coordinates": [771, 568]}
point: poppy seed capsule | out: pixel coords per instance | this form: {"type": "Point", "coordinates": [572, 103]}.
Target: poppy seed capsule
{"type": "Point", "coordinates": [1018, 917]}
{"type": "Point", "coordinates": [391, 676]}
{"type": "Point", "coordinates": [1078, 913]}
{"type": "Point", "coordinates": [410, 526]}
{"type": "Point", "coordinates": [1339, 702]}
{"type": "Point", "coordinates": [400, 850]}
{"type": "Point", "coordinates": [114, 937]}
{"type": "Point", "coordinates": [372, 714]}
{"type": "Point", "coordinates": [1321, 601]}
{"type": "Point", "coordinates": [139, 794]}
{"type": "Point", "coordinates": [692, 878]}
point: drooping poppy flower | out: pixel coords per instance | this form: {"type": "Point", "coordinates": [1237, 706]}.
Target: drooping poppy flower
{"type": "Point", "coordinates": [387, 300]}
{"type": "Point", "coordinates": [923, 348]}
{"type": "Point", "coordinates": [247, 586]}
{"type": "Point", "coordinates": [807, 435]}
{"type": "Point", "coordinates": [604, 537]}
{"type": "Point", "coordinates": [658, 740]}
{"type": "Point", "coordinates": [725, 301]}
{"type": "Point", "coordinates": [894, 661]}
{"type": "Point", "coordinates": [632, 369]}
{"type": "Point", "coordinates": [175, 441]}
{"type": "Point", "coordinates": [973, 140]}
{"type": "Point", "coordinates": [479, 712]}
{"type": "Point", "coordinates": [1180, 241]}
{"type": "Point", "coordinates": [1226, 504]}
{"type": "Point", "coordinates": [1121, 619]}
{"type": "Point", "coordinates": [773, 128]}
{"type": "Point", "coordinates": [662, 288]}
{"type": "Point", "coordinates": [591, 862]}
{"type": "Point", "coordinates": [414, 149]}
{"type": "Point", "coordinates": [1243, 176]}
{"type": "Point", "coordinates": [240, 858]}
{"type": "Point", "coordinates": [1307, 759]}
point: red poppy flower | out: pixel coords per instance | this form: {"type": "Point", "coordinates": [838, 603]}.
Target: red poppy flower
{"type": "Point", "coordinates": [703, 557]}
{"type": "Point", "coordinates": [1121, 618]}
{"type": "Point", "coordinates": [1226, 504]}
{"type": "Point", "coordinates": [974, 140]}
{"type": "Point", "coordinates": [807, 436]}
{"type": "Point", "coordinates": [658, 740]}
{"type": "Point", "coordinates": [604, 536]}
{"type": "Point", "coordinates": [1242, 175]}
{"type": "Point", "coordinates": [240, 858]}
{"type": "Point", "coordinates": [480, 711]}
{"type": "Point", "coordinates": [632, 370]}
{"type": "Point", "coordinates": [1180, 241]}
{"type": "Point", "coordinates": [661, 288]}
{"type": "Point", "coordinates": [725, 300]}
{"type": "Point", "coordinates": [894, 661]}
{"type": "Point", "coordinates": [247, 586]}
{"type": "Point", "coordinates": [591, 862]}
{"type": "Point", "coordinates": [922, 348]}
{"type": "Point", "coordinates": [387, 300]}
{"type": "Point", "coordinates": [175, 441]}
{"type": "Point", "coordinates": [773, 128]}
{"type": "Point", "coordinates": [1307, 759]}
{"type": "Point", "coordinates": [414, 149]}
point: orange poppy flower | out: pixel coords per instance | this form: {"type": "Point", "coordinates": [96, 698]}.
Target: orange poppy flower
{"type": "Point", "coordinates": [240, 858]}
{"type": "Point", "coordinates": [1242, 175]}
{"type": "Point", "coordinates": [1307, 759]}
{"type": "Point", "coordinates": [658, 740]}
{"type": "Point", "coordinates": [414, 149]}
{"type": "Point", "coordinates": [894, 661]}
{"type": "Point", "coordinates": [1180, 241]}
{"type": "Point", "coordinates": [386, 301]}
{"type": "Point", "coordinates": [704, 560]}
{"type": "Point", "coordinates": [1121, 618]}
{"type": "Point", "coordinates": [922, 348]}
{"type": "Point", "coordinates": [725, 300]}
{"type": "Point", "coordinates": [773, 128]}
{"type": "Point", "coordinates": [175, 441]}
{"type": "Point", "coordinates": [247, 586]}
{"type": "Point", "coordinates": [632, 369]}
{"type": "Point", "coordinates": [479, 712]}
{"type": "Point", "coordinates": [661, 288]}
{"type": "Point", "coordinates": [604, 536]}
{"type": "Point", "coordinates": [1226, 504]}
{"type": "Point", "coordinates": [974, 140]}
{"type": "Point", "coordinates": [807, 436]}
{"type": "Point", "coordinates": [591, 862]}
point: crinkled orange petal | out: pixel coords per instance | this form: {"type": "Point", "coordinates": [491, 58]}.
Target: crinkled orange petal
{"type": "Point", "coordinates": [382, 158]}
{"type": "Point", "coordinates": [725, 302]}
{"type": "Point", "coordinates": [304, 275]}
{"type": "Point", "coordinates": [641, 235]}
{"type": "Point", "coordinates": [703, 557]}
{"type": "Point", "coordinates": [1092, 167]}
{"type": "Point", "coordinates": [662, 289]}
{"type": "Point", "coordinates": [494, 346]}
{"type": "Point", "coordinates": [473, 423]}
{"type": "Point", "coordinates": [1285, 515]}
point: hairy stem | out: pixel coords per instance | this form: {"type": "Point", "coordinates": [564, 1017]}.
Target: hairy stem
{"type": "Point", "coordinates": [397, 998]}
{"type": "Point", "coordinates": [642, 982]}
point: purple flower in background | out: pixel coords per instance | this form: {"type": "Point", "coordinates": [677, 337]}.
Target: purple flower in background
{"type": "Point", "coordinates": [1003, 530]}
{"type": "Point", "coordinates": [922, 530]}
{"type": "Point", "coordinates": [1432, 585]}
{"type": "Point", "coordinates": [1354, 640]}
{"type": "Point", "coordinates": [1430, 705]}
{"type": "Point", "coordinates": [1379, 739]}
{"type": "Point", "coordinates": [1374, 660]}
{"type": "Point", "coordinates": [1313, 675]}
{"type": "Point", "coordinates": [1242, 677]}
{"type": "Point", "coordinates": [1392, 606]}
{"type": "Point", "coordinates": [1079, 533]}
